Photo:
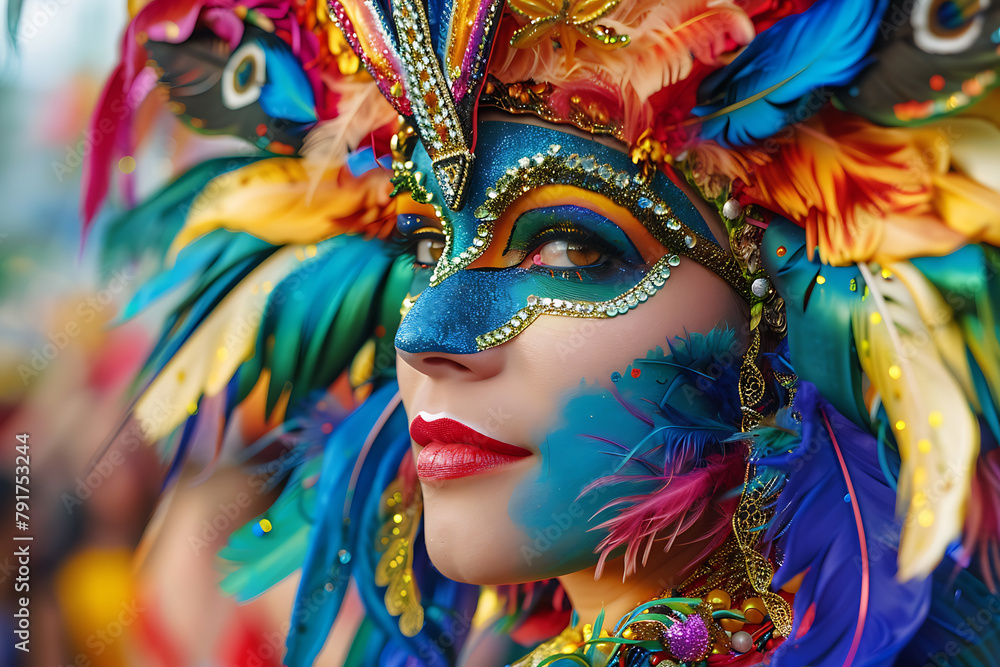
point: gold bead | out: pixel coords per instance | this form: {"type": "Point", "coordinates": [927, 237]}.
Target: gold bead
{"type": "Point", "coordinates": [754, 610]}
{"type": "Point", "coordinates": [719, 599]}
{"type": "Point", "coordinates": [721, 647]}
{"type": "Point", "coordinates": [731, 625]}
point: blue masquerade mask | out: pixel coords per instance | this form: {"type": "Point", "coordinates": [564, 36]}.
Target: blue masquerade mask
{"type": "Point", "coordinates": [570, 251]}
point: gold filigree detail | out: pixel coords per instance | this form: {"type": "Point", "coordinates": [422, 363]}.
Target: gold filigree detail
{"type": "Point", "coordinates": [567, 22]}
{"type": "Point", "coordinates": [753, 512]}
{"type": "Point", "coordinates": [528, 97]}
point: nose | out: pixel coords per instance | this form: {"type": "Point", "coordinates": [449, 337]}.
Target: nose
{"type": "Point", "coordinates": [446, 318]}
{"type": "Point", "coordinates": [460, 367]}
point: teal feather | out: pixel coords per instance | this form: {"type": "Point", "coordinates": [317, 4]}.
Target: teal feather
{"type": "Point", "coordinates": [967, 279]}
{"type": "Point", "coordinates": [357, 308]}
{"type": "Point", "coordinates": [397, 286]}
{"type": "Point", "coordinates": [319, 317]}
{"type": "Point", "coordinates": [261, 561]}
{"type": "Point", "coordinates": [190, 264]}
{"type": "Point", "coordinates": [820, 335]}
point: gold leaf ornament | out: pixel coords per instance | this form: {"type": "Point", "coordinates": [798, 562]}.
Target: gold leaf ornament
{"type": "Point", "coordinates": [395, 567]}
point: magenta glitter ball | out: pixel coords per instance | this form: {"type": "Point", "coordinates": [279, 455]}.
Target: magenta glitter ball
{"type": "Point", "coordinates": [688, 639]}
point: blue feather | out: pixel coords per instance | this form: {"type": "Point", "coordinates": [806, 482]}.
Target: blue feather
{"type": "Point", "coordinates": [397, 645]}
{"type": "Point", "coordinates": [334, 537]}
{"type": "Point", "coordinates": [963, 626]}
{"type": "Point", "coordinates": [287, 93]}
{"type": "Point", "coordinates": [835, 496]}
{"type": "Point", "coordinates": [782, 76]}
{"type": "Point", "coordinates": [191, 262]}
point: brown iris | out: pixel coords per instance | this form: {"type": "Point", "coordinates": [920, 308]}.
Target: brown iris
{"type": "Point", "coordinates": [561, 253]}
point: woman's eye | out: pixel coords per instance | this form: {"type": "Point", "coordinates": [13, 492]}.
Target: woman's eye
{"type": "Point", "coordinates": [428, 251]}
{"type": "Point", "coordinates": [567, 254]}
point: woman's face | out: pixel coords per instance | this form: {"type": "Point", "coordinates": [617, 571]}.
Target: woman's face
{"type": "Point", "coordinates": [511, 424]}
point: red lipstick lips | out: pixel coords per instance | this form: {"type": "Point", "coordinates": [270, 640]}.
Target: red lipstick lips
{"type": "Point", "coordinates": [450, 449]}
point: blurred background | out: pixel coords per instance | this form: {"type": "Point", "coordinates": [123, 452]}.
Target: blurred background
{"type": "Point", "coordinates": [121, 573]}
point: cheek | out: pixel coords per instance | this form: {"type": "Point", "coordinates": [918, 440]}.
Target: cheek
{"type": "Point", "coordinates": [601, 382]}
{"type": "Point", "coordinates": [555, 356]}
{"type": "Point", "coordinates": [563, 498]}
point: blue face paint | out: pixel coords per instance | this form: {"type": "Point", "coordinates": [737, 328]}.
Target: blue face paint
{"type": "Point", "coordinates": [466, 309]}
{"type": "Point", "coordinates": [663, 412]}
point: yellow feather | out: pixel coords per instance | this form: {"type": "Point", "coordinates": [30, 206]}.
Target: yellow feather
{"type": "Point", "coordinates": [928, 411]}
{"type": "Point", "coordinates": [975, 143]}
{"type": "Point", "coordinates": [206, 362]}
{"type": "Point", "coordinates": [939, 318]}
{"type": "Point", "coordinates": [363, 364]}
{"type": "Point", "coordinates": [269, 199]}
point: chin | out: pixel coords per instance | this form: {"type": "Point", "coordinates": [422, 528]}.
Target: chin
{"type": "Point", "coordinates": [469, 535]}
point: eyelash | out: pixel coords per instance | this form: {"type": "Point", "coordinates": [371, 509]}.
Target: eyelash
{"type": "Point", "coordinates": [565, 231]}
{"type": "Point", "coordinates": [414, 244]}
{"type": "Point", "coordinates": [562, 231]}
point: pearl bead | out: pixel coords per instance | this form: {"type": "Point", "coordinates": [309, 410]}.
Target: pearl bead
{"type": "Point", "coordinates": [742, 642]}
{"type": "Point", "coordinates": [732, 209]}
{"type": "Point", "coordinates": [760, 287]}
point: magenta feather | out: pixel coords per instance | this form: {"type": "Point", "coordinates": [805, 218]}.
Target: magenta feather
{"type": "Point", "coordinates": [982, 522]}
{"type": "Point", "coordinates": [681, 502]}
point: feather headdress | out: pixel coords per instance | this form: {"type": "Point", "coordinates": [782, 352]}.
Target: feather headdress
{"type": "Point", "coordinates": [878, 267]}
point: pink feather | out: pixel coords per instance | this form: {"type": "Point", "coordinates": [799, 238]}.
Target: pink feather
{"type": "Point", "coordinates": [680, 503]}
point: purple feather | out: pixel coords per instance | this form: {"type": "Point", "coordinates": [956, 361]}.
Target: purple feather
{"type": "Point", "coordinates": [836, 520]}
